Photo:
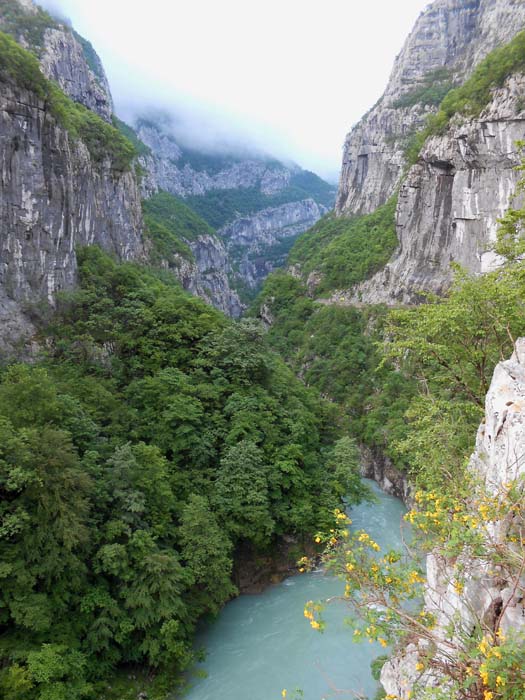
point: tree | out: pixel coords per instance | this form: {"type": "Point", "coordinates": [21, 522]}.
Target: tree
{"type": "Point", "coordinates": [206, 551]}
{"type": "Point", "coordinates": [241, 494]}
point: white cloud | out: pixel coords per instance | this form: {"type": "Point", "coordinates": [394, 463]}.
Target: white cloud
{"type": "Point", "coordinates": [291, 76]}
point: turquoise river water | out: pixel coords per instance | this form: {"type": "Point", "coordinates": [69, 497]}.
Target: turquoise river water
{"type": "Point", "coordinates": [261, 644]}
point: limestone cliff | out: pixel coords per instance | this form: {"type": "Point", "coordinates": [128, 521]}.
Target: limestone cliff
{"type": "Point", "coordinates": [64, 56]}
{"type": "Point", "coordinates": [499, 458]}
{"type": "Point", "coordinates": [258, 244]}
{"type": "Point", "coordinates": [449, 39]}
{"type": "Point", "coordinates": [181, 172]}
{"type": "Point", "coordinates": [55, 197]}
{"type": "Point", "coordinates": [207, 274]}
{"type": "Point", "coordinates": [450, 202]}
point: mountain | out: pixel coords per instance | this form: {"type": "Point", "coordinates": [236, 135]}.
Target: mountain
{"type": "Point", "coordinates": [452, 177]}
{"type": "Point", "coordinates": [75, 175]}
{"type": "Point", "coordinates": [257, 205]}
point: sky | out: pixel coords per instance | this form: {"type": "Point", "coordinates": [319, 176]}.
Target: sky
{"type": "Point", "coordinates": [288, 77]}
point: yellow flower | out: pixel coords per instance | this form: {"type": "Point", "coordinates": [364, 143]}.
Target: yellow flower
{"type": "Point", "coordinates": [488, 695]}
{"type": "Point", "coordinates": [284, 693]}
{"type": "Point", "coordinates": [483, 646]}
{"type": "Point", "coordinates": [500, 681]}
{"type": "Point", "coordinates": [315, 625]}
{"type": "Point", "coordinates": [420, 666]}
{"type": "Point", "coordinates": [382, 641]}
{"type": "Point", "coordinates": [484, 674]}
{"type": "Point", "coordinates": [317, 539]}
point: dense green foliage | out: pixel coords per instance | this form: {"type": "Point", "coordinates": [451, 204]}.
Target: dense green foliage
{"type": "Point", "coordinates": [155, 440]}
{"type": "Point", "coordinates": [130, 134]}
{"type": "Point", "coordinates": [334, 349]}
{"type": "Point", "coordinates": [103, 141]}
{"type": "Point", "coordinates": [403, 378]}
{"type": "Point", "coordinates": [313, 186]}
{"type": "Point", "coordinates": [170, 224]}
{"type": "Point", "coordinates": [167, 209]}
{"type": "Point", "coordinates": [220, 207]}
{"type": "Point", "coordinates": [17, 21]}
{"type": "Point", "coordinates": [433, 88]}
{"type": "Point", "coordinates": [474, 95]}
{"type": "Point", "coordinates": [346, 251]}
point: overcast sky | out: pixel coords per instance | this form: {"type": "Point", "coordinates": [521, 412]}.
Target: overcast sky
{"type": "Point", "coordinates": [290, 76]}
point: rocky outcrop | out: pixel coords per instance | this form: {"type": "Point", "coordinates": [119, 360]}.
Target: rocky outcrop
{"type": "Point", "coordinates": [169, 169]}
{"type": "Point", "coordinates": [64, 56]}
{"type": "Point", "coordinates": [63, 60]}
{"type": "Point", "coordinates": [499, 458]}
{"type": "Point", "coordinates": [209, 278]}
{"type": "Point", "coordinates": [54, 199]}
{"type": "Point", "coordinates": [377, 466]}
{"type": "Point", "coordinates": [450, 203]}
{"type": "Point", "coordinates": [450, 36]}
{"type": "Point", "coordinates": [259, 243]}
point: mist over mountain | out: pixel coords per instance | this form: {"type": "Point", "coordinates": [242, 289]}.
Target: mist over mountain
{"type": "Point", "coordinates": [283, 78]}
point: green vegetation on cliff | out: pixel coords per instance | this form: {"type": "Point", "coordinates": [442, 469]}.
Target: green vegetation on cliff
{"type": "Point", "coordinates": [220, 207]}
{"type": "Point", "coordinates": [474, 95]}
{"type": "Point", "coordinates": [103, 140]}
{"type": "Point", "coordinates": [17, 21]}
{"type": "Point", "coordinates": [433, 88]}
{"type": "Point", "coordinates": [345, 251]}
{"type": "Point", "coordinates": [155, 442]}
{"type": "Point", "coordinates": [170, 225]}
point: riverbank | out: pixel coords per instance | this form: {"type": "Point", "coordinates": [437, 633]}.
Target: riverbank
{"type": "Point", "coordinates": [260, 645]}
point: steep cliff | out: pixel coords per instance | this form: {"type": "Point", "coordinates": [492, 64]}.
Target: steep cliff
{"type": "Point", "coordinates": [60, 187]}
{"type": "Point", "coordinates": [450, 202]}
{"type": "Point", "coordinates": [448, 40]}
{"type": "Point", "coordinates": [64, 56]}
{"type": "Point", "coordinates": [258, 244]}
{"type": "Point", "coordinates": [487, 593]}
{"type": "Point", "coordinates": [59, 192]}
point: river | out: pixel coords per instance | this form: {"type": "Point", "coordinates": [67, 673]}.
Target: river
{"type": "Point", "coordinates": [262, 644]}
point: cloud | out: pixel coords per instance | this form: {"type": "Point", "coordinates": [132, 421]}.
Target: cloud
{"type": "Point", "coordinates": [288, 78]}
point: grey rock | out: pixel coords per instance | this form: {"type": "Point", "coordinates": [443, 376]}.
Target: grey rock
{"type": "Point", "coordinates": [169, 172]}
{"type": "Point", "coordinates": [63, 61]}
{"type": "Point", "coordinates": [17, 338]}
{"type": "Point", "coordinates": [498, 459]}
{"type": "Point", "coordinates": [54, 198]}
{"type": "Point", "coordinates": [251, 241]}
{"type": "Point", "coordinates": [211, 282]}
{"type": "Point", "coordinates": [450, 34]}
{"type": "Point", "coordinates": [450, 203]}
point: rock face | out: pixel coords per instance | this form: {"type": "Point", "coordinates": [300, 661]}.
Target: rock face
{"type": "Point", "coordinates": [171, 171]}
{"type": "Point", "coordinates": [54, 198]}
{"type": "Point", "coordinates": [63, 60]}
{"type": "Point", "coordinates": [64, 56]}
{"type": "Point", "coordinates": [208, 276]}
{"type": "Point", "coordinates": [499, 458]}
{"type": "Point", "coordinates": [450, 36]}
{"type": "Point", "coordinates": [256, 243]}
{"type": "Point", "coordinates": [259, 243]}
{"type": "Point", "coordinates": [450, 203]}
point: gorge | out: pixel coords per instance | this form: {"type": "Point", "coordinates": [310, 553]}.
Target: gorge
{"type": "Point", "coordinates": [200, 357]}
